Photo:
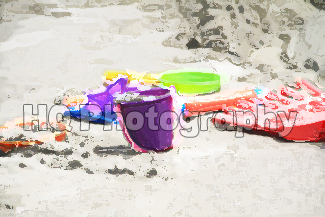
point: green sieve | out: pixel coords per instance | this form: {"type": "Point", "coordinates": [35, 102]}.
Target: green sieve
{"type": "Point", "coordinates": [192, 82]}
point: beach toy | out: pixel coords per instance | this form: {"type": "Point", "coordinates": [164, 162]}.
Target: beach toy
{"type": "Point", "coordinates": [295, 113]}
{"type": "Point", "coordinates": [112, 74]}
{"type": "Point", "coordinates": [192, 82]}
{"type": "Point", "coordinates": [149, 133]}
{"type": "Point", "coordinates": [100, 101]}
{"type": "Point", "coordinates": [215, 102]}
{"type": "Point", "coordinates": [147, 78]}
{"type": "Point", "coordinates": [7, 145]}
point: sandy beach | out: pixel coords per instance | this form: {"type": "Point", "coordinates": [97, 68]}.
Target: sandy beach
{"type": "Point", "coordinates": [49, 50]}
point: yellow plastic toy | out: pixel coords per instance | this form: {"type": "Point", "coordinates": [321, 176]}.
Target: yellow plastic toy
{"type": "Point", "coordinates": [133, 75]}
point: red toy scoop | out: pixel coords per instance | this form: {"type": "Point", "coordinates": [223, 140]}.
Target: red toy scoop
{"type": "Point", "coordinates": [295, 113]}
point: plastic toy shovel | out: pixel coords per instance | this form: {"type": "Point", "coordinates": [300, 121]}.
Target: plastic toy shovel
{"type": "Point", "coordinates": [99, 106]}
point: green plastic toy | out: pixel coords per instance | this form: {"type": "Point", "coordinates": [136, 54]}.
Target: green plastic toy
{"type": "Point", "coordinates": [192, 82]}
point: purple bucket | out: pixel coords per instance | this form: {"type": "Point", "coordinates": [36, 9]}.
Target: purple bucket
{"type": "Point", "coordinates": [148, 118]}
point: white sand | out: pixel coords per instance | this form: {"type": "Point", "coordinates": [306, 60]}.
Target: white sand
{"type": "Point", "coordinates": [214, 174]}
